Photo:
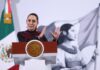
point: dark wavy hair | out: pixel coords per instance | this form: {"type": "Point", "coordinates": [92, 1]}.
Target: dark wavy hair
{"type": "Point", "coordinates": [66, 27]}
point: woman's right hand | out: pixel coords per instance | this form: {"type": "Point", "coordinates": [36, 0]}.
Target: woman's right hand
{"type": "Point", "coordinates": [55, 35]}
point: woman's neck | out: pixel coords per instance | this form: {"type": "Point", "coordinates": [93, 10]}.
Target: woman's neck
{"type": "Point", "coordinates": [67, 42]}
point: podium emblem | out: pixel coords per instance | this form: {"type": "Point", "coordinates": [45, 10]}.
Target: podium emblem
{"type": "Point", "coordinates": [34, 48]}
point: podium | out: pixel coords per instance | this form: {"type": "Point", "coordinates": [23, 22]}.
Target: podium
{"type": "Point", "coordinates": [19, 47]}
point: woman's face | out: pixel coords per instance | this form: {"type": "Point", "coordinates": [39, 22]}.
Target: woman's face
{"type": "Point", "coordinates": [72, 33]}
{"type": "Point", "coordinates": [32, 22]}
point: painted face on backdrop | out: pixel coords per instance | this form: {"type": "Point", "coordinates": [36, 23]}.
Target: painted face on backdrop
{"type": "Point", "coordinates": [72, 33]}
{"type": "Point", "coordinates": [68, 32]}
{"type": "Point", "coordinates": [32, 22]}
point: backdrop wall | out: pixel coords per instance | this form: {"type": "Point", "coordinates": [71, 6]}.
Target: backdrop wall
{"type": "Point", "coordinates": [49, 10]}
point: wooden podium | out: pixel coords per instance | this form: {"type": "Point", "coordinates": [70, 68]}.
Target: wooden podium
{"type": "Point", "coordinates": [19, 47]}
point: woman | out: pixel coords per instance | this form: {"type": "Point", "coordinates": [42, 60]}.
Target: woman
{"type": "Point", "coordinates": [69, 57]}
{"type": "Point", "coordinates": [68, 50]}
{"type": "Point", "coordinates": [32, 33]}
